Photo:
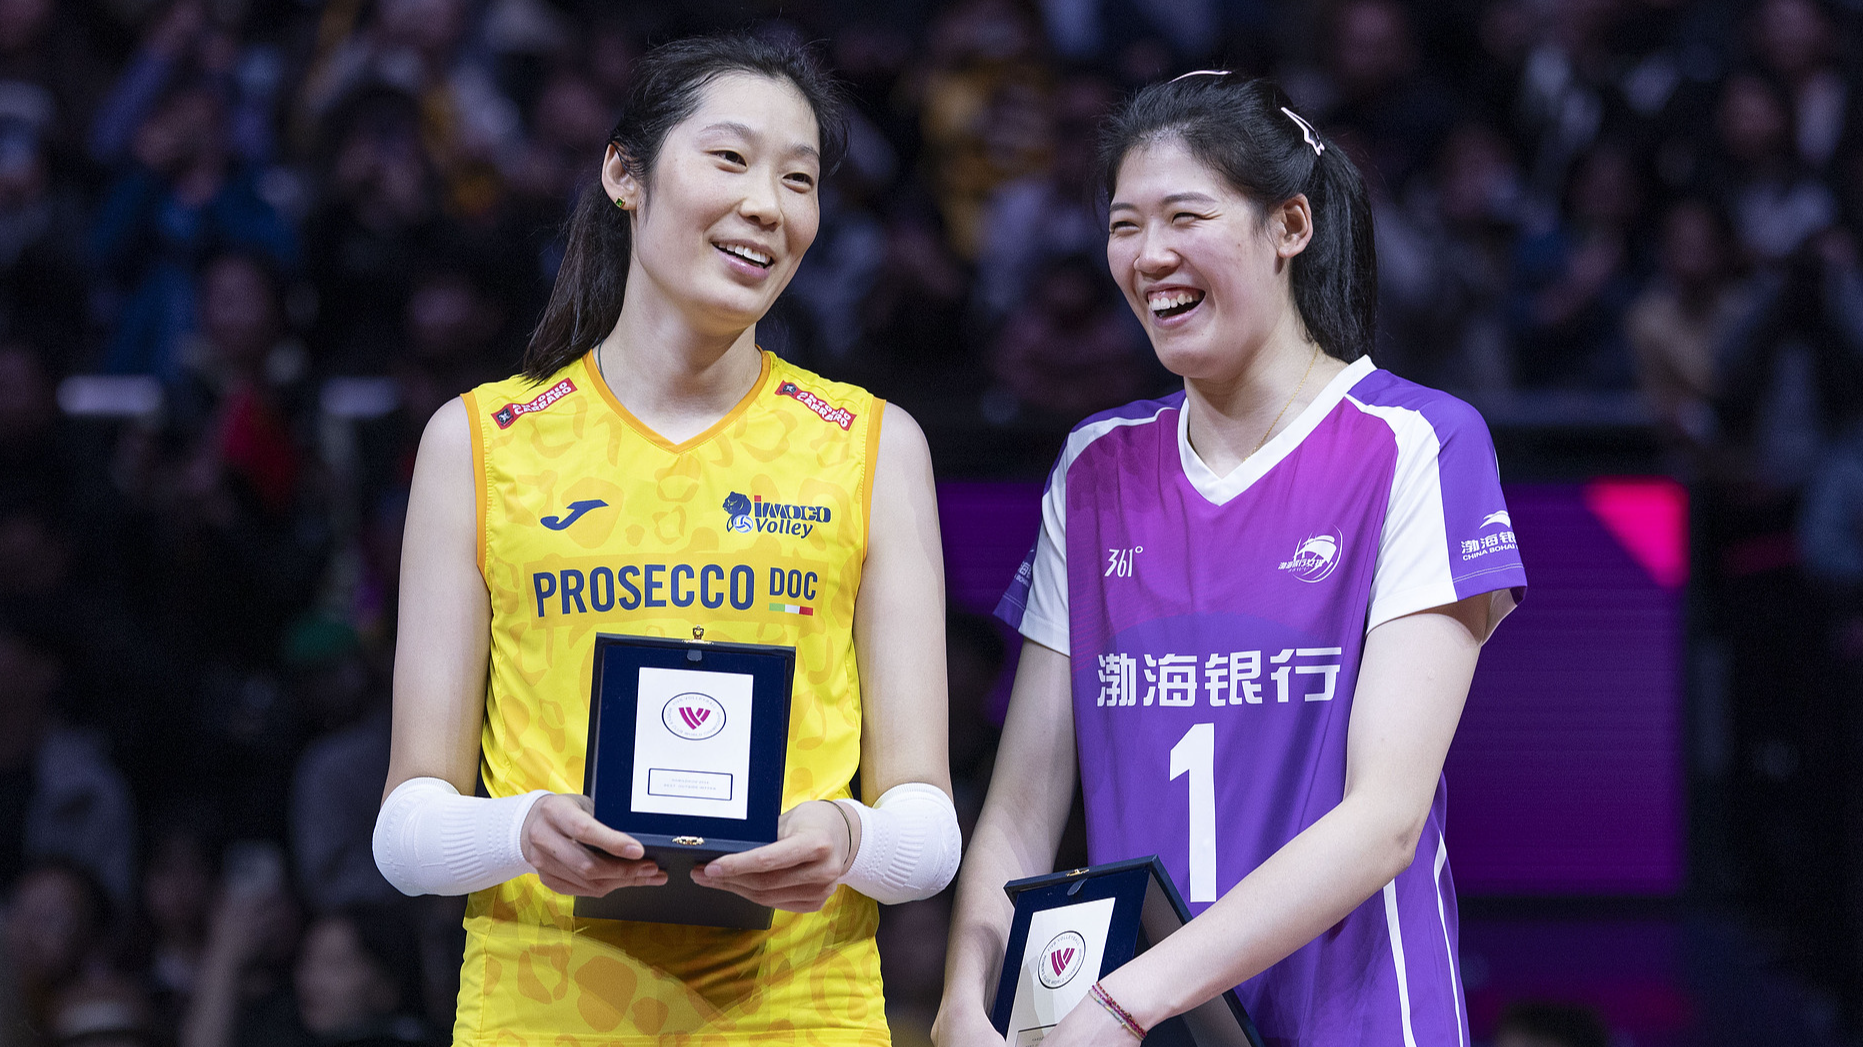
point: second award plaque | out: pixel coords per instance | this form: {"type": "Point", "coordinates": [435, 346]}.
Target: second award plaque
{"type": "Point", "coordinates": [687, 744]}
{"type": "Point", "coordinates": [1071, 928]}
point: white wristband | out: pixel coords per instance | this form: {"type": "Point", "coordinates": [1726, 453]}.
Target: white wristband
{"type": "Point", "coordinates": [909, 844]}
{"type": "Point", "coordinates": [431, 840]}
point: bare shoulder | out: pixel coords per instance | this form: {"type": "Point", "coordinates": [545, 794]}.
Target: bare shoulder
{"type": "Point", "coordinates": [448, 432]}
{"type": "Point", "coordinates": [902, 442]}
{"type": "Point", "coordinates": [443, 470]}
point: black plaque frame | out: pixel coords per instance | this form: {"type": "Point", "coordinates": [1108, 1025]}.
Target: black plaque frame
{"type": "Point", "coordinates": [1146, 910]}
{"type": "Point", "coordinates": [679, 843]}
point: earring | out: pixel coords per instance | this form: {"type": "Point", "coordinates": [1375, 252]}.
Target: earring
{"type": "Point", "coordinates": [621, 202]}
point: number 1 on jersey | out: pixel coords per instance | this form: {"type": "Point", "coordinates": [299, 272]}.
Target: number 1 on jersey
{"type": "Point", "coordinates": [1195, 753]}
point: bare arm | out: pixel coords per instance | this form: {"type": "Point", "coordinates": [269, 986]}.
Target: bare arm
{"type": "Point", "coordinates": [899, 621]}
{"type": "Point", "coordinates": [443, 634]}
{"type": "Point", "coordinates": [1016, 836]}
{"type": "Point", "coordinates": [899, 647]}
{"type": "Point", "coordinates": [1412, 684]}
{"type": "Point", "coordinates": [441, 655]}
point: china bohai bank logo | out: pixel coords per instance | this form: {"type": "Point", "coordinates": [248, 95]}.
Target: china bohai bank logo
{"type": "Point", "coordinates": [1061, 959]}
{"type": "Point", "coordinates": [693, 716]}
{"type": "Point", "coordinates": [1316, 557]}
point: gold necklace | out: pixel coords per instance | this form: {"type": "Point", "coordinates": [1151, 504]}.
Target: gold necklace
{"type": "Point", "coordinates": [1290, 401]}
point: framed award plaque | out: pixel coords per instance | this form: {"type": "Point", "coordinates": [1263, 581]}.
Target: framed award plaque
{"type": "Point", "coordinates": [1072, 928]}
{"type": "Point", "coordinates": [687, 744]}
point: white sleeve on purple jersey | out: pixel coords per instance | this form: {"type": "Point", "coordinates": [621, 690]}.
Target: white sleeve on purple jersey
{"type": "Point", "coordinates": [1036, 602]}
{"type": "Point", "coordinates": [1446, 535]}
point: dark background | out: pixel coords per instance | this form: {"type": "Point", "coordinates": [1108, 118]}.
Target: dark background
{"type": "Point", "coordinates": [248, 246]}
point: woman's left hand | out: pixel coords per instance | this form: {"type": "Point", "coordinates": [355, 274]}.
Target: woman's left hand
{"type": "Point", "coordinates": [798, 872]}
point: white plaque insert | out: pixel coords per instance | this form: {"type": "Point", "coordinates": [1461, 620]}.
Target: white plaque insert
{"type": "Point", "coordinates": [692, 743]}
{"type": "Point", "coordinates": [1059, 964]}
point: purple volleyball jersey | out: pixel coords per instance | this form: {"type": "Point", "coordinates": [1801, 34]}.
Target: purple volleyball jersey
{"type": "Point", "coordinates": [1214, 627]}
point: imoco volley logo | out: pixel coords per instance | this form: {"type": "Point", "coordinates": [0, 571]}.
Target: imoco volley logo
{"type": "Point", "coordinates": [693, 716]}
{"type": "Point", "coordinates": [1061, 959]}
{"type": "Point", "coordinates": [1316, 557]}
{"type": "Point", "coordinates": [744, 515]}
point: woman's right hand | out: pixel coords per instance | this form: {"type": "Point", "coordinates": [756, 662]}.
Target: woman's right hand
{"type": "Point", "coordinates": [575, 854]}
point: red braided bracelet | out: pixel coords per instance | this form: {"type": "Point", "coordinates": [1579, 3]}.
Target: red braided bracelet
{"type": "Point", "coordinates": [1119, 1013]}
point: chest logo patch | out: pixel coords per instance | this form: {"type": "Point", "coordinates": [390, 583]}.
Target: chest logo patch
{"type": "Point", "coordinates": [509, 413]}
{"type": "Point", "coordinates": [1316, 557]}
{"type": "Point", "coordinates": [746, 514]}
{"type": "Point", "coordinates": [828, 412]}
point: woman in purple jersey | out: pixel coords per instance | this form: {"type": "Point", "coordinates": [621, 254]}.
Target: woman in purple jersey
{"type": "Point", "coordinates": [1253, 610]}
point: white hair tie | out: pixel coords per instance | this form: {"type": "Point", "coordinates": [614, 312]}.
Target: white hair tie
{"type": "Point", "coordinates": [1306, 131]}
{"type": "Point", "coordinates": [1202, 72]}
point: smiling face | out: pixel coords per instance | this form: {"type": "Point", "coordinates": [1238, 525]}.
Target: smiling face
{"type": "Point", "coordinates": [730, 206]}
{"type": "Point", "coordinates": [1203, 267]}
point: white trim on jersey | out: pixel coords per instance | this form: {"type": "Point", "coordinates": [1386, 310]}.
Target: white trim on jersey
{"type": "Point", "coordinates": [1413, 572]}
{"type": "Point", "coordinates": [1442, 913]}
{"type": "Point", "coordinates": [1219, 490]}
{"type": "Point", "coordinates": [1044, 618]}
{"type": "Point", "coordinates": [1397, 958]}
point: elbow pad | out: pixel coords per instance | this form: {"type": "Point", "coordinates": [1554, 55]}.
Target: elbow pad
{"type": "Point", "coordinates": [909, 844]}
{"type": "Point", "coordinates": [431, 840]}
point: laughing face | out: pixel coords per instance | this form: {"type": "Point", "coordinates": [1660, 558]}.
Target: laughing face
{"type": "Point", "coordinates": [730, 206]}
{"type": "Point", "coordinates": [1201, 265]}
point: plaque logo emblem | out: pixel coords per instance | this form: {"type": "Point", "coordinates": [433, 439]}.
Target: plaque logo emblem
{"type": "Point", "coordinates": [693, 716]}
{"type": "Point", "coordinates": [1061, 959]}
{"type": "Point", "coordinates": [1316, 557]}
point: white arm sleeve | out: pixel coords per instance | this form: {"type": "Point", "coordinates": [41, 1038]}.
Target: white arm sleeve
{"type": "Point", "coordinates": [909, 844]}
{"type": "Point", "coordinates": [431, 840]}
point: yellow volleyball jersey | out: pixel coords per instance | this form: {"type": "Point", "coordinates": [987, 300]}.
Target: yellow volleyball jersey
{"type": "Point", "coordinates": [755, 529]}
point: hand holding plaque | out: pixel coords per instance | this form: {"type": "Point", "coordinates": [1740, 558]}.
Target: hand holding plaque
{"type": "Point", "coordinates": [815, 845]}
{"type": "Point", "coordinates": [1072, 928]}
{"type": "Point", "coordinates": [575, 854]}
{"type": "Point", "coordinates": [687, 747]}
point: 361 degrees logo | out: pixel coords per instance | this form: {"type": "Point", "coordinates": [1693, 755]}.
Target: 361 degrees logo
{"type": "Point", "coordinates": [1061, 959]}
{"type": "Point", "coordinates": [693, 716]}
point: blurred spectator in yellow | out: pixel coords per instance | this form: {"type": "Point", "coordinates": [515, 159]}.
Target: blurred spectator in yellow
{"type": "Point", "coordinates": [1031, 221]}
{"type": "Point", "coordinates": [982, 96]}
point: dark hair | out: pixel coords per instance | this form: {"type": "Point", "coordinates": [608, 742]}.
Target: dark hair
{"type": "Point", "coordinates": [1236, 127]}
{"type": "Point", "coordinates": [665, 90]}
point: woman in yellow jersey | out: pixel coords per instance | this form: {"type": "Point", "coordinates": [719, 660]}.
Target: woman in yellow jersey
{"type": "Point", "coordinates": [652, 469]}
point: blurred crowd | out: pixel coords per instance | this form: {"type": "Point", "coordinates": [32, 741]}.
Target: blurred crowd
{"type": "Point", "coordinates": [248, 246]}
